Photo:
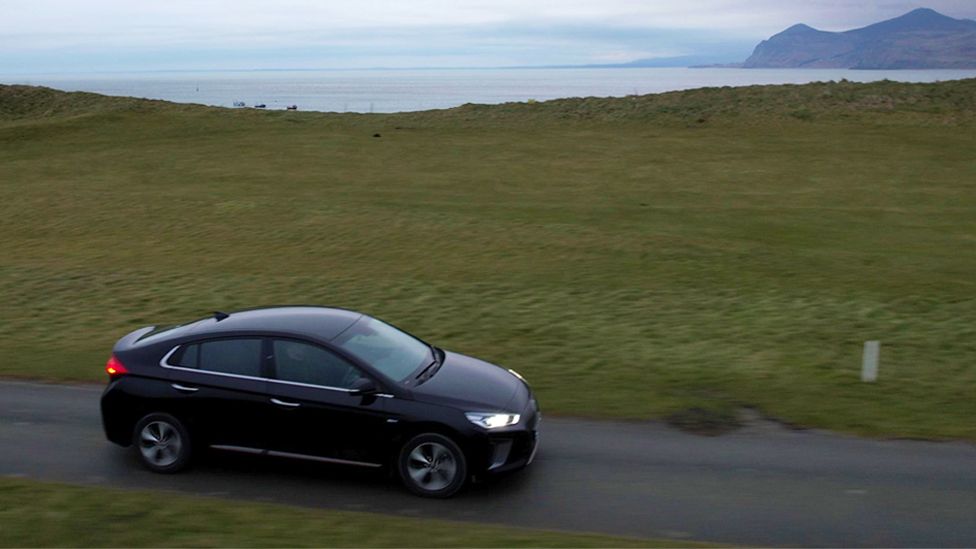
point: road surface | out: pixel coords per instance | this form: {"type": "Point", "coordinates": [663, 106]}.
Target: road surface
{"type": "Point", "coordinates": [762, 485]}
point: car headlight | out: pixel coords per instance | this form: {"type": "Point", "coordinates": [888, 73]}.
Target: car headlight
{"type": "Point", "coordinates": [492, 420]}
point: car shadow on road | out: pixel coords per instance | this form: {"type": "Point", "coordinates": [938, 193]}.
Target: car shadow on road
{"type": "Point", "coordinates": [296, 482]}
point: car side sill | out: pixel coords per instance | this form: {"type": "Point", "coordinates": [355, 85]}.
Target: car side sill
{"type": "Point", "coordinates": [241, 449]}
{"type": "Point", "coordinates": [273, 453]}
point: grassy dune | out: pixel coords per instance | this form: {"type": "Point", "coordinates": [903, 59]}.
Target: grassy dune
{"type": "Point", "coordinates": [38, 514]}
{"type": "Point", "coordinates": [632, 257]}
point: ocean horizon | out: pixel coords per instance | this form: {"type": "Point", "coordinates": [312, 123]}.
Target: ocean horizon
{"type": "Point", "coordinates": [399, 90]}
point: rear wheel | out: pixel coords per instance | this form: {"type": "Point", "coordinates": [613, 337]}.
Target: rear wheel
{"type": "Point", "coordinates": [432, 465]}
{"type": "Point", "coordinates": [163, 443]}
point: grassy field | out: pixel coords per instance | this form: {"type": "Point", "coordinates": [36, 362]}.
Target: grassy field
{"type": "Point", "coordinates": [38, 514]}
{"type": "Point", "coordinates": [633, 258]}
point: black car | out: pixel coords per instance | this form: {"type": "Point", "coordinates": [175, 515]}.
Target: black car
{"type": "Point", "coordinates": [320, 384]}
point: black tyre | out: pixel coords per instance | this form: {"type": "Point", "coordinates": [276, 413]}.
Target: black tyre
{"type": "Point", "coordinates": [432, 465]}
{"type": "Point", "coordinates": [162, 443]}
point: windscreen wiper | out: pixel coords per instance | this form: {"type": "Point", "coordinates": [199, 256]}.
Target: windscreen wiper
{"type": "Point", "coordinates": [432, 367]}
{"type": "Point", "coordinates": [426, 369]}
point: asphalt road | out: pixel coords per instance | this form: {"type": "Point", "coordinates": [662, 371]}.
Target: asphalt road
{"type": "Point", "coordinates": [762, 485]}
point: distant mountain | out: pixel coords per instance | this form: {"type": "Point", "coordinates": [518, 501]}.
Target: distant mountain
{"type": "Point", "coordinates": [920, 39]}
{"type": "Point", "coordinates": [660, 62]}
{"type": "Point", "coordinates": [682, 61]}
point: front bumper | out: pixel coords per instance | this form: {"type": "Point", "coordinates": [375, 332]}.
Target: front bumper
{"type": "Point", "coordinates": [515, 448]}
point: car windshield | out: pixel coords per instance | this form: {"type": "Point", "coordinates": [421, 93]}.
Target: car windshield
{"type": "Point", "coordinates": [392, 352]}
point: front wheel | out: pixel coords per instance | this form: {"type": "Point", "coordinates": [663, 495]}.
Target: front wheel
{"type": "Point", "coordinates": [432, 465]}
{"type": "Point", "coordinates": [163, 443]}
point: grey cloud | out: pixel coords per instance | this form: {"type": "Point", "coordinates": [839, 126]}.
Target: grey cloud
{"type": "Point", "coordinates": [475, 32]}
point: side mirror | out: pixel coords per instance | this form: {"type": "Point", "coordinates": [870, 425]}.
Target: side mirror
{"type": "Point", "coordinates": [363, 386]}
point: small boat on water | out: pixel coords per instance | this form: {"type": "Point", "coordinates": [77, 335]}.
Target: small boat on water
{"type": "Point", "coordinates": [260, 106]}
{"type": "Point", "coordinates": [292, 107]}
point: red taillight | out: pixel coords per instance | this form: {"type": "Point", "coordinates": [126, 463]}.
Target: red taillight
{"type": "Point", "coordinates": [114, 368]}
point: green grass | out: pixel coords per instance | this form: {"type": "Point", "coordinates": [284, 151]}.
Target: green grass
{"type": "Point", "coordinates": [633, 257]}
{"type": "Point", "coordinates": [36, 514]}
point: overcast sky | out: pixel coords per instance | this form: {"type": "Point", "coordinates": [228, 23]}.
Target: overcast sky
{"type": "Point", "coordinates": [119, 35]}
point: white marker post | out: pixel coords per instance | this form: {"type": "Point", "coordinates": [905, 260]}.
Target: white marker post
{"type": "Point", "coordinates": [869, 365]}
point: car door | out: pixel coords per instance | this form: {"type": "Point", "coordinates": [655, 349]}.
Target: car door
{"type": "Point", "coordinates": [316, 414]}
{"type": "Point", "coordinates": [221, 389]}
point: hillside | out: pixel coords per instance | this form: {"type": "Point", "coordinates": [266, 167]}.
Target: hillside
{"type": "Point", "coordinates": [676, 255]}
{"type": "Point", "coordinates": [34, 103]}
{"type": "Point", "coordinates": [920, 39]}
{"type": "Point", "coordinates": [944, 102]}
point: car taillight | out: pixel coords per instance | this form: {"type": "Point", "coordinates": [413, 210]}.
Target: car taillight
{"type": "Point", "coordinates": [114, 368]}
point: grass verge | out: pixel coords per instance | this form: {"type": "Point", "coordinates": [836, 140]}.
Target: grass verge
{"type": "Point", "coordinates": [36, 514]}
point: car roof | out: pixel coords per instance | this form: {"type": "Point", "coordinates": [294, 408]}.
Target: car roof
{"type": "Point", "coordinates": [324, 323]}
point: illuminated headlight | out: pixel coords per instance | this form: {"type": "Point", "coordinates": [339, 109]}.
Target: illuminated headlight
{"type": "Point", "coordinates": [492, 421]}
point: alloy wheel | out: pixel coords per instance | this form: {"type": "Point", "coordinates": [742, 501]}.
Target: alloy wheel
{"type": "Point", "coordinates": [160, 443]}
{"type": "Point", "coordinates": [432, 466]}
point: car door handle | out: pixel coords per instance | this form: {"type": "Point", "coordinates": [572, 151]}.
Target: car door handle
{"type": "Point", "coordinates": [184, 388]}
{"type": "Point", "coordinates": [285, 403]}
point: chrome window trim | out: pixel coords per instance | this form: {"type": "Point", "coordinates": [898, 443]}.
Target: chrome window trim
{"type": "Point", "coordinates": [165, 364]}
{"type": "Point", "coordinates": [238, 376]}
{"type": "Point", "coordinates": [310, 385]}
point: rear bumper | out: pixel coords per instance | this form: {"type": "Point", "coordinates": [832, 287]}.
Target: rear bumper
{"type": "Point", "coordinates": [116, 417]}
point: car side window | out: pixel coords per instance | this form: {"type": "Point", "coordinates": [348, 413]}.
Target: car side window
{"type": "Point", "coordinates": [304, 363]}
{"type": "Point", "coordinates": [227, 356]}
{"type": "Point", "coordinates": [186, 356]}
